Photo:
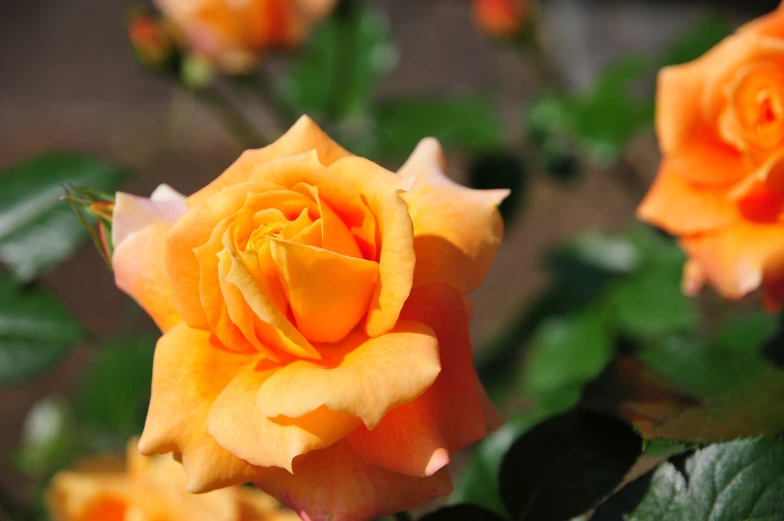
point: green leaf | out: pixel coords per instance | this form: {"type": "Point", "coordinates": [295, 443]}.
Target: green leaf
{"type": "Point", "coordinates": [465, 512]}
{"type": "Point", "coordinates": [611, 114]}
{"type": "Point", "coordinates": [113, 393]}
{"type": "Point", "coordinates": [698, 39]}
{"type": "Point", "coordinates": [564, 466]}
{"type": "Point", "coordinates": [745, 333]}
{"type": "Point", "coordinates": [602, 121]}
{"type": "Point", "coordinates": [36, 330]}
{"type": "Point", "coordinates": [704, 369]}
{"type": "Point", "coordinates": [564, 355]}
{"type": "Point", "coordinates": [661, 501]}
{"type": "Point", "coordinates": [337, 70]}
{"type": "Point", "coordinates": [736, 481]}
{"type": "Point", "coordinates": [649, 302]}
{"type": "Point", "coordinates": [478, 483]}
{"type": "Point", "coordinates": [36, 230]}
{"type": "Point", "coordinates": [604, 252]}
{"type": "Point", "coordinates": [470, 123]}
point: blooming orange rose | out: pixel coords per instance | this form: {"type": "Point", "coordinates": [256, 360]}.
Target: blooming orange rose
{"type": "Point", "coordinates": [720, 189]}
{"type": "Point", "coordinates": [150, 489]}
{"type": "Point", "coordinates": [316, 338]}
{"type": "Point", "coordinates": [233, 33]}
{"type": "Point", "coordinates": [500, 18]}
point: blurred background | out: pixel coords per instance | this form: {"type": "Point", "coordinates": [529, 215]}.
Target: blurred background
{"type": "Point", "coordinates": [68, 80]}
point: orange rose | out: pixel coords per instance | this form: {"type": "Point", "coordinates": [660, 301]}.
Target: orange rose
{"type": "Point", "coordinates": [233, 33]}
{"type": "Point", "coordinates": [500, 18]}
{"type": "Point", "coordinates": [152, 489]}
{"type": "Point", "coordinates": [720, 189]}
{"type": "Point", "coordinates": [316, 338]}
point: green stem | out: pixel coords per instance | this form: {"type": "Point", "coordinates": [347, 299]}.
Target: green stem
{"type": "Point", "coordinates": [548, 74]}
{"type": "Point", "coordinates": [233, 118]}
{"type": "Point", "coordinates": [403, 516]}
{"type": "Point", "coordinates": [259, 84]}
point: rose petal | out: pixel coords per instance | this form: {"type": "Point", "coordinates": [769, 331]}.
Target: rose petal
{"type": "Point", "coordinates": [339, 193]}
{"type": "Point", "coordinates": [88, 496]}
{"type": "Point", "coordinates": [335, 483]}
{"type": "Point", "coordinates": [417, 438]}
{"type": "Point", "coordinates": [189, 372]}
{"type": "Point", "coordinates": [212, 298]}
{"type": "Point", "coordinates": [237, 425]}
{"type": "Point", "coordinates": [275, 328]}
{"type": "Point", "coordinates": [396, 260]}
{"type": "Point", "coordinates": [140, 272]}
{"type": "Point", "coordinates": [361, 376]}
{"type": "Point", "coordinates": [132, 213]}
{"type": "Point", "coordinates": [329, 293]}
{"type": "Point", "coordinates": [681, 207]}
{"type": "Point", "coordinates": [690, 100]}
{"type": "Point", "coordinates": [192, 230]}
{"type": "Point", "coordinates": [456, 229]}
{"type": "Point", "coordinates": [335, 236]}
{"type": "Point", "coordinates": [737, 259]}
{"type": "Point", "coordinates": [304, 136]}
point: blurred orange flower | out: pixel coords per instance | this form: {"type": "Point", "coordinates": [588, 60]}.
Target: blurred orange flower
{"type": "Point", "coordinates": [316, 335]}
{"type": "Point", "coordinates": [500, 18]}
{"type": "Point", "coordinates": [109, 489]}
{"type": "Point", "coordinates": [233, 33]}
{"type": "Point", "coordinates": [720, 187]}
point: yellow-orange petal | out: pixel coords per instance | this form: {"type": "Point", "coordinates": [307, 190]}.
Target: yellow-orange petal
{"type": "Point", "coordinates": [192, 230]}
{"type": "Point", "coordinates": [335, 235]}
{"type": "Point", "coordinates": [132, 213]}
{"type": "Point", "coordinates": [329, 293]}
{"type": "Point", "coordinates": [681, 207]}
{"type": "Point", "coordinates": [335, 483]}
{"type": "Point", "coordinates": [361, 376]}
{"type": "Point", "coordinates": [691, 99]}
{"type": "Point", "coordinates": [237, 425]}
{"type": "Point", "coordinates": [211, 296]}
{"type": "Point", "coordinates": [190, 370]}
{"type": "Point", "coordinates": [140, 272]}
{"type": "Point", "coordinates": [88, 496]}
{"type": "Point", "coordinates": [396, 260]}
{"type": "Point", "coordinates": [687, 135]}
{"type": "Point", "coordinates": [417, 438]}
{"type": "Point", "coordinates": [738, 258]}
{"type": "Point", "coordinates": [274, 327]}
{"type": "Point", "coordinates": [339, 193]}
{"type": "Point", "coordinates": [304, 136]}
{"type": "Point", "coordinates": [456, 229]}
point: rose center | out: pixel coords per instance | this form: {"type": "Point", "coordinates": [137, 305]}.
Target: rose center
{"type": "Point", "coordinates": [758, 108]}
